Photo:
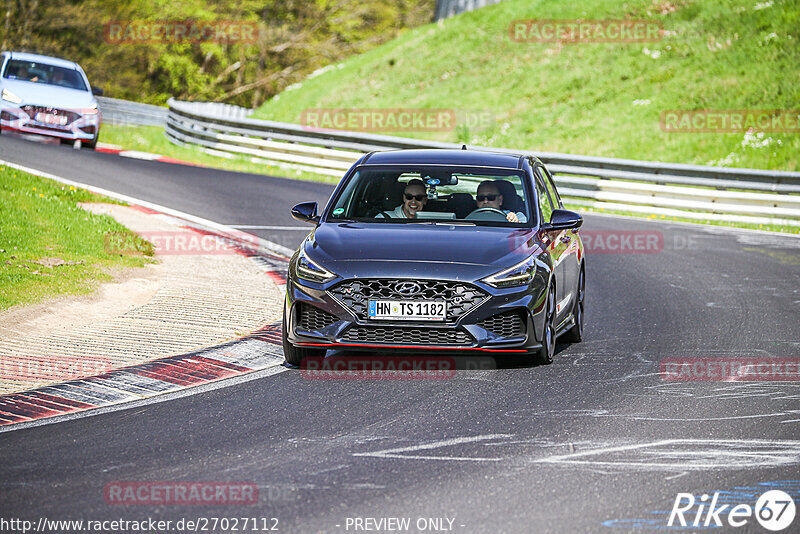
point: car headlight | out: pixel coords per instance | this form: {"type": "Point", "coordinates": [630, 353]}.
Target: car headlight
{"type": "Point", "coordinates": [311, 271]}
{"type": "Point", "coordinates": [91, 110]}
{"type": "Point", "coordinates": [517, 275]}
{"type": "Point", "coordinates": [8, 96]}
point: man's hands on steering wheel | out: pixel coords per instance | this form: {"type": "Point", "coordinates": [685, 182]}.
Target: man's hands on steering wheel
{"type": "Point", "coordinates": [480, 214]}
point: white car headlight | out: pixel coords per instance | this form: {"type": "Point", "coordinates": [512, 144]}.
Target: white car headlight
{"type": "Point", "coordinates": [311, 271]}
{"type": "Point", "coordinates": [517, 275]}
{"type": "Point", "coordinates": [8, 96]}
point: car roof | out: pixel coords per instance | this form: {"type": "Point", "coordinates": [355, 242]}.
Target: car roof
{"type": "Point", "coordinates": [471, 158]}
{"type": "Point", "coordinates": [50, 60]}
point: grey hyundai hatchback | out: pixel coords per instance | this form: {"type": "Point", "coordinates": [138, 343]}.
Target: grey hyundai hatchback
{"type": "Point", "coordinates": [437, 250]}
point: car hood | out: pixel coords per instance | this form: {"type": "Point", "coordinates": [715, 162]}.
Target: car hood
{"type": "Point", "coordinates": [42, 94]}
{"type": "Point", "coordinates": [373, 249]}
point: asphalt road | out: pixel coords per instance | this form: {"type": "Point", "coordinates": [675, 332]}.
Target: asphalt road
{"type": "Point", "coordinates": [596, 442]}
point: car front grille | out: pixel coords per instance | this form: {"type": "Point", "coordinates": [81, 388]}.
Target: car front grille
{"type": "Point", "coordinates": [460, 297]}
{"type": "Point", "coordinates": [31, 111]}
{"type": "Point", "coordinates": [400, 335]}
{"type": "Point", "coordinates": [313, 318]}
{"type": "Point", "coordinates": [508, 324]}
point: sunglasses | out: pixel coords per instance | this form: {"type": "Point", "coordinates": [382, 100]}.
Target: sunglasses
{"type": "Point", "coordinates": [418, 198]}
{"type": "Point", "coordinates": [490, 198]}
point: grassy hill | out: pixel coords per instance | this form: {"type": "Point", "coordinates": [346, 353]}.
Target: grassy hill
{"type": "Point", "coordinates": [584, 98]}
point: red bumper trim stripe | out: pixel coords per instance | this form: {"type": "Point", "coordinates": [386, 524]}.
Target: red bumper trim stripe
{"type": "Point", "coordinates": [481, 349]}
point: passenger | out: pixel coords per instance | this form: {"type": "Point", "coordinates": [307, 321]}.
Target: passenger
{"type": "Point", "coordinates": [58, 78]}
{"type": "Point", "coordinates": [414, 200]}
{"type": "Point", "coordinates": [489, 196]}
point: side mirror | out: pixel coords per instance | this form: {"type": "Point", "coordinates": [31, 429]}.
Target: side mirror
{"type": "Point", "coordinates": [564, 220]}
{"type": "Point", "coordinates": [96, 91]}
{"type": "Point", "coordinates": [306, 212]}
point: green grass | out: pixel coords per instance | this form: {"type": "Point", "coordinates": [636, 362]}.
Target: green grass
{"type": "Point", "coordinates": [579, 98]}
{"type": "Point", "coordinates": [41, 219]}
{"type": "Point", "coordinates": [152, 139]}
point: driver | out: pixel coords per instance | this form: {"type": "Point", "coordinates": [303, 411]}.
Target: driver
{"type": "Point", "coordinates": [414, 200]}
{"type": "Point", "coordinates": [489, 196]}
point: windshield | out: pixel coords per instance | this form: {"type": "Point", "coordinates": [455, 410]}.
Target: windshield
{"type": "Point", "coordinates": [493, 197]}
{"type": "Point", "coordinates": [31, 71]}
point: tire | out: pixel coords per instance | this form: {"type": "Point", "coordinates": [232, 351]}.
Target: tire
{"type": "Point", "coordinates": [544, 356]}
{"type": "Point", "coordinates": [91, 145]}
{"type": "Point", "coordinates": [575, 334]}
{"type": "Point", "coordinates": [295, 355]}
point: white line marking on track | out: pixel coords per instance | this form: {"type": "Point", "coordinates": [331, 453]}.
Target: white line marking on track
{"type": "Point", "coordinates": [696, 225]}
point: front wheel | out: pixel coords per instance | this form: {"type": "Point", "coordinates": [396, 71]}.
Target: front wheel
{"type": "Point", "coordinates": [295, 355]}
{"type": "Point", "coordinates": [545, 354]}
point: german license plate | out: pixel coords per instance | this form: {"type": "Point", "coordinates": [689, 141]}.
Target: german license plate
{"type": "Point", "coordinates": [49, 118]}
{"type": "Point", "coordinates": [408, 310]}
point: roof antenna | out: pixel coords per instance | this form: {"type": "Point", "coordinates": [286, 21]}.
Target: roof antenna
{"type": "Point", "coordinates": [463, 147]}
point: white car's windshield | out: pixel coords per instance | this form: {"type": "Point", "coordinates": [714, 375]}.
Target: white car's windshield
{"type": "Point", "coordinates": [430, 194]}
{"type": "Point", "coordinates": [36, 72]}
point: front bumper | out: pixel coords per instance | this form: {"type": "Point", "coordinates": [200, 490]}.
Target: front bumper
{"type": "Point", "coordinates": [80, 125]}
{"type": "Point", "coordinates": [505, 321]}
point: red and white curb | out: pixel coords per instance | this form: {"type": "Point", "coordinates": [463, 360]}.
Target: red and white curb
{"type": "Point", "coordinates": [147, 156]}
{"type": "Point", "coordinates": [257, 351]}
{"type": "Point", "coordinates": [158, 378]}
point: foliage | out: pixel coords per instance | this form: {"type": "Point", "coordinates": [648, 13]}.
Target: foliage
{"type": "Point", "coordinates": [295, 37]}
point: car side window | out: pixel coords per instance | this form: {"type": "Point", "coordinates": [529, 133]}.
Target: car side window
{"type": "Point", "coordinates": [551, 188]}
{"type": "Point", "coordinates": [544, 201]}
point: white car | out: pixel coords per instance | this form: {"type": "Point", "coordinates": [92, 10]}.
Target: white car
{"type": "Point", "coordinates": [48, 96]}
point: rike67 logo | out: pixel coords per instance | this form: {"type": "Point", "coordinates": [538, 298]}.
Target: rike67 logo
{"type": "Point", "coordinates": [774, 510]}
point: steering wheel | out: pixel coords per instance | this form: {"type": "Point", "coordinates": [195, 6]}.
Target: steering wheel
{"type": "Point", "coordinates": [486, 214]}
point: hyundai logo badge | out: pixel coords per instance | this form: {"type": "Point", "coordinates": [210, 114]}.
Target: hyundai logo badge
{"type": "Point", "coordinates": [407, 288]}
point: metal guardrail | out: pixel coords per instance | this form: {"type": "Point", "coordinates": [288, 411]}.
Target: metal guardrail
{"type": "Point", "coordinates": [690, 191]}
{"type": "Point", "coordinates": [125, 112]}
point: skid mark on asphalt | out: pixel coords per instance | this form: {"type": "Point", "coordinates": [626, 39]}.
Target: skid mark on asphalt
{"type": "Point", "coordinates": [687, 455]}
{"type": "Point", "coordinates": [407, 452]}
{"type": "Point", "coordinates": [723, 391]}
{"type": "Point", "coordinates": [681, 455]}
{"type": "Point", "coordinates": [599, 412]}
